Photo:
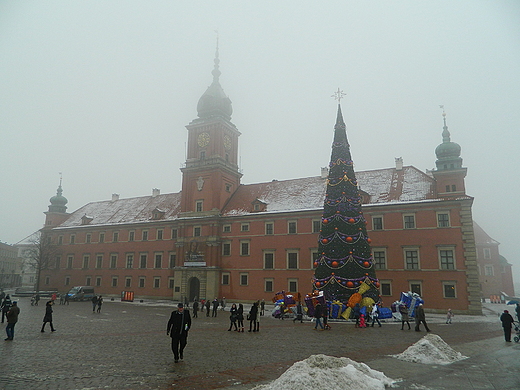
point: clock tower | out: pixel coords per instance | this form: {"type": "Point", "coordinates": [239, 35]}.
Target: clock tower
{"type": "Point", "coordinates": [211, 173]}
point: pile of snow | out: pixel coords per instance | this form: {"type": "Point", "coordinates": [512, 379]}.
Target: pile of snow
{"type": "Point", "coordinates": [431, 349]}
{"type": "Point", "coordinates": [318, 371]}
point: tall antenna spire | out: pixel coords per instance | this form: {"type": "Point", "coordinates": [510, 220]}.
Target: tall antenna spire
{"type": "Point", "coordinates": [216, 71]}
{"type": "Point", "coordinates": [445, 132]}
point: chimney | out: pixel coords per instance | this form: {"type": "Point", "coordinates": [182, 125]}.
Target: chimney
{"type": "Point", "coordinates": [324, 172]}
{"type": "Point", "coordinates": [155, 192]}
{"type": "Point", "coordinates": [115, 197]}
{"type": "Point", "coordinates": [399, 164]}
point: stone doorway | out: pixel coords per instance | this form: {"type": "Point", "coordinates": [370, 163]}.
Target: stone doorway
{"type": "Point", "coordinates": [194, 289]}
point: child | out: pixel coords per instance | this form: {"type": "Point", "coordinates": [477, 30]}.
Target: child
{"type": "Point", "coordinates": [449, 316]}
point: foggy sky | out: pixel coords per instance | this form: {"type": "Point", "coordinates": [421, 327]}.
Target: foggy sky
{"type": "Point", "coordinates": [102, 91]}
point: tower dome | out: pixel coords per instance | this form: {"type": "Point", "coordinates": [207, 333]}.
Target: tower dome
{"type": "Point", "coordinates": [58, 202]}
{"type": "Point", "coordinates": [214, 101]}
{"type": "Point", "coordinates": [448, 153]}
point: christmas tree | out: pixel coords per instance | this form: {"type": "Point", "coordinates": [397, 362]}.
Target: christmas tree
{"type": "Point", "coordinates": [344, 267]}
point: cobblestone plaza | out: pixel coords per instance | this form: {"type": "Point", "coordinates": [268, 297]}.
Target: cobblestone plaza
{"type": "Point", "coordinates": [126, 347]}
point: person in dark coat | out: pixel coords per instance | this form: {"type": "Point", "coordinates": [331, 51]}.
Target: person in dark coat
{"type": "Point", "coordinates": [215, 307]}
{"type": "Point", "coordinates": [299, 313]}
{"type": "Point", "coordinates": [48, 316]}
{"type": "Point", "coordinates": [507, 324]}
{"type": "Point", "coordinates": [178, 327]}
{"type": "Point", "coordinates": [233, 316]}
{"type": "Point", "coordinates": [517, 310]}
{"type": "Point", "coordinates": [195, 308]}
{"type": "Point", "coordinates": [208, 305]}
{"type": "Point", "coordinates": [6, 305]}
{"type": "Point", "coordinates": [357, 314]}
{"type": "Point", "coordinates": [318, 312]}
{"type": "Point", "coordinates": [94, 303]}
{"type": "Point", "coordinates": [12, 319]}
{"type": "Point", "coordinates": [253, 313]}
{"type": "Point", "coordinates": [420, 317]}
{"type": "Point", "coordinates": [240, 317]}
{"type": "Point", "coordinates": [99, 303]}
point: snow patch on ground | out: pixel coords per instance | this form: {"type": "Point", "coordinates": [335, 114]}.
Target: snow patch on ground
{"type": "Point", "coordinates": [335, 373]}
{"type": "Point", "coordinates": [431, 349]}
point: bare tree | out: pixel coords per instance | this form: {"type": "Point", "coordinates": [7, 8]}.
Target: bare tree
{"type": "Point", "coordinates": [42, 254]}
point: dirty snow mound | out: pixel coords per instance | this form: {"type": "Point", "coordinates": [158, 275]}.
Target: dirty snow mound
{"type": "Point", "coordinates": [336, 373]}
{"type": "Point", "coordinates": [431, 349]}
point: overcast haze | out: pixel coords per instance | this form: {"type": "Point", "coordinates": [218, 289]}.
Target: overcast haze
{"type": "Point", "coordinates": [102, 91]}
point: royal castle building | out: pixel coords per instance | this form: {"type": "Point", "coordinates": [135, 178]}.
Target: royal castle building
{"type": "Point", "coordinates": [218, 237]}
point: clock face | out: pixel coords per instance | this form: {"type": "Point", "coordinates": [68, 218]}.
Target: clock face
{"type": "Point", "coordinates": [203, 139]}
{"type": "Point", "coordinates": [227, 141]}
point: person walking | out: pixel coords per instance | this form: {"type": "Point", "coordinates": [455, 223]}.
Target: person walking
{"type": "Point", "coordinates": [404, 316]}
{"type": "Point", "coordinates": [208, 305]}
{"type": "Point", "coordinates": [215, 307]}
{"type": "Point", "coordinates": [99, 303]}
{"type": "Point", "coordinates": [195, 308]}
{"type": "Point", "coordinates": [178, 327]}
{"type": "Point", "coordinates": [233, 317]}
{"type": "Point", "coordinates": [375, 314]}
{"type": "Point", "coordinates": [12, 319]}
{"type": "Point", "coordinates": [449, 316]}
{"type": "Point", "coordinates": [240, 317]}
{"type": "Point", "coordinates": [36, 299]}
{"type": "Point", "coordinates": [517, 310]}
{"type": "Point", "coordinates": [317, 315]}
{"type": "Point", "coordinates": [420, 317]}
{"type": "Point", "coordinates": [262, 307]}
{"type": "Point", "coordinates": [253, 313]}
{"type": "Point", "coordinates": [507, 324]}
{"type": "Point", "coordinates": [94, 303]}
{"type": "Point", "coordinates": [6, 305]}
{"type": "Point", "coordinates": [48, 316]}
{"type": "Point", "coordinates": [223, 304]}
{"type": "Point", "coordinates": [357, 314]}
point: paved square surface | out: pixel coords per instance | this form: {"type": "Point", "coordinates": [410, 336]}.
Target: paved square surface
{"type": "Point", "coordinates": [126, 347]}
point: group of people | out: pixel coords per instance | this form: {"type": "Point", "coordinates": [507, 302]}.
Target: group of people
{"type": "Point", "coordinates": [97, 302]}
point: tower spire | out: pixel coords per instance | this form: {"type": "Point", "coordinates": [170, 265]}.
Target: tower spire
{"type": "Point", "coordinates": [216, 71]}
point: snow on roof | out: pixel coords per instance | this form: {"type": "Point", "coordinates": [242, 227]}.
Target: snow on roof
{"type": "Point", "coordinates": [383, 186]}
{"type": "Point", "coordinates": [129, 210]}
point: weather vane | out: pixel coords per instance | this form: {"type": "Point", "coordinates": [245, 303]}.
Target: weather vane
{"type": "Point", "coordinates": [338, 95]}
{"type": "Point", "coordinates": [442, 107]}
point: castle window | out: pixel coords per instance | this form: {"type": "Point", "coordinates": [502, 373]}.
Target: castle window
{"type": "Point", "coordinates": [244, 248]}
{"type": "Point", "coordinates": [174, 234]}
{"type": "Point", "coordinates": [60, 240]}
{"type": "Point", "coordinates": [443, 219]}
{"type": "Point", "coordinates": [157, 282]}
{"type": "Point", "coordinates": [67, 281]}
{"type": "Point", "coordinates": [202, 154]}
{"type": "Point", "coordinates": [160, 234]}
{"type": "Point", "coordinates": [386, 287]}
{"type": "Point", "coordinates": [88, 281]}
{"type": "Point", "coordinates": [292, 260]}
{"type": "Point", "coordinates": [145, 235]}
{"type": "Point", "coordinates": [226, 249]}
{"type": "Point", "coordinates": [268, 285]}
{"type": "Point", "coordinates": [197, 231]}
{"type": "Point", "coordinates": [158, 260]}
{"type": "Point", "coordinates": [409, 221]}
{"type": "Point", "coordinates": [269, 228]}
{"type": "Point", "coordinates": [488, 270]}
{"type": "Point", "coordinates": [98, 281]}
{"type": "Point", "coordinates": [226, 228]}
{"type": "Point", "coordinates": [244, 279]}
{"type": "Point", "coordinates": [142, 260]}
{"type": "Point", "coordinates": [131, 236]}
{"type": "Point", "coordinates": [292, 227]}
{"type": "Point", "coordinates": [198, 206]}
{"type": "Point", "coordinates": [449, 289]}
{"type": "Point", "coordinates": [129, 261]}
{"type": "Point", "coordinates": [225, 278]}
{"type": "Point", "coordinates": [292, 285]}
{"type": "Point", "coordinates": [86, 260]}
{"type": "Point", "coordinates": [115, 237]}
{"type": "Point", "coordinates": [416, 287]}
{"type": "Point", "coordinates": [411, 258]}
{"type": "Point", "coordinates": [141, 281]}
{"type": "Point", "coordinates": [447, 258]}
{"type": "Point", "coordinates": [72, 239]}
{"type": "Point", "coordinates": [114, 281]}
{"type": "Point", "coordinates": [113, 261]}
{"type": "Point", "coordinates": [171, 283]}
{"type": "Point", "coordinates": [101, 237]}
{"type": "Point", "coordinates": [228, 187]}
{"type": "Point", "coordinates": [128, 281]}
{"type": "Point", "coordinates": [88, 238]}
{"type": "Point", "coordinates": [173, 259]}
{"type": "Point", "coordinates": [244, 227]}
{"type": "Point", "coordinates": [447, 188]}
{"type": "Point", "coordinates": [487, 253]}
{"type": "Point", "coordinates": [99, 261]}
{"type": "Point", "coordinates": [453, 188]}
{"type": "Point", "coordinates": [70, 259]}
{"type": "Point", "coordinates": [377, 223]}
{"type": "Point", "coordinates": [379, 259]}
{"type": "Point", "coordinates": [268, 260]}
{"type": "Point", "coordinates": [316, 226]}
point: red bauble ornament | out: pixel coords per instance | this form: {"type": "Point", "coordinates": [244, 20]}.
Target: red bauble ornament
{"type": "Point", "coordinates": [366, 264]}
{"type": "Point", "coordinates": [315, 264]}
{"type": "Point", "coordinates": [324, 241]}
{"type": "Point", "coordinates": [369, 240]}
{"type": "Point", "coordinates": [352, 220]}
{"type": "Point", "coordinates": [325, 221]}
{"type": "Point", "coordinates": [318, 284]}
{"type": "Point", "coordinates": [349, 239]}
{"type": "Point", "coordinates": [350, 284]}
{"type": "Point", "coordinates": [335, 264]}
{"type": "Point", "coordinates": [377, 284]}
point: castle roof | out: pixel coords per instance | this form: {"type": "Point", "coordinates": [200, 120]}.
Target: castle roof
{"type": "Point", "coordinates": [383, 186]}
